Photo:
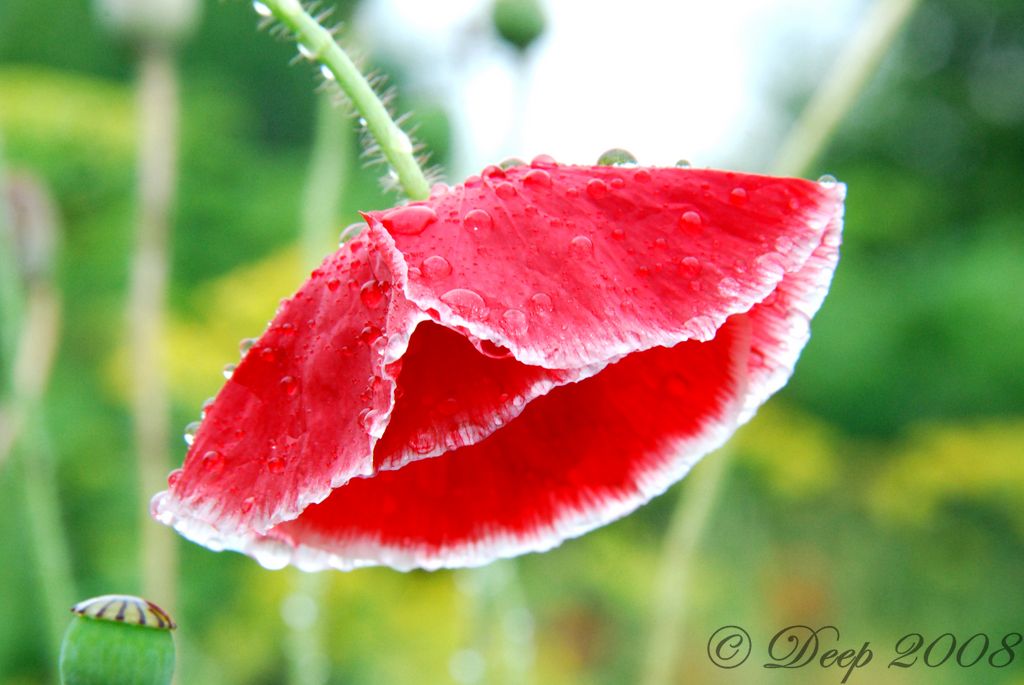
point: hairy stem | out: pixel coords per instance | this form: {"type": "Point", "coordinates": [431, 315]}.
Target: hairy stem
{"type": "Point", "coordinates": [318, 43]}
{"type": "Point", "coordinates": [328, 172]}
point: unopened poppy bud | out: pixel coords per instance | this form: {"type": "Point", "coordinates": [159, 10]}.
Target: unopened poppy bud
{"type": "Point", "coordinates": [117, 640]}
{"type": "Point", "coordinates": [518, 22]}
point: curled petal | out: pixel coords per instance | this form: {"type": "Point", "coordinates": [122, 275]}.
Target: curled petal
{"type": "Point", "coordinates": [513, 362]}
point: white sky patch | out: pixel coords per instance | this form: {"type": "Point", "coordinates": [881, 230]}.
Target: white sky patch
{"type": "Point", "coordinates": [663, 79]}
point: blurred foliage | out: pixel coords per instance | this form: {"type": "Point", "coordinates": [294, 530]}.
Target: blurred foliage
{"type": "Point", "coordinates": [881, 491]}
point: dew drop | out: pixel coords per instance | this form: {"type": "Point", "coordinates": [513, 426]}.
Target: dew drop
{"type": "Point", "coordinates": [617, 183]}
{"type": "Point", "coordinates": [477, 220]}
{"type": "Point", "coordinates": [581, 246]}
{"type": "Point", "coordinates": [268, 354]}
{"type": "Point", "coordinates": [190, 432]}
{"type": "Point", "coordinates": [537, 178]}
{"type": "Point", "coordinates": [213, 461]}
{"type": "Point", "coordinates": [306, 53]}
{"type": "Point", "coordinates": [514, 322]}
{"type": "Point", "coordinates": [289, 385]}
{"type": "Point", "coordinates": [350, 232]}
{"type": "Point", "coordinates": [660, 243]}
{"type": "Point", "coordinates": [229, 371]}
{"type": "Point", "coordinates": [728, 287]}
{"type": "Point", "coordinates": [828, 180]}
{"type": "Point", "coordinates": [326, 72]}
{"type": "Point", "coordinates": [690, 266]}
{"type": "Point", "coordinates": [618, 234]}
{"type": "Point", "coordinates": [466, 303]}
{"type": "Point", "coordinates": [370, 334]}
{"type": "Point", "coordinates": [275, 465]}
{"type": "Point", "coordinates": [173, 477]}
{"type": "Point", "coordinates": [512, 162]}
{"type": "Point", "coordinates": [541, 304]}
{"type": "Point", "coordinates": [690, 220]}
{"type": "Point", "coordinates": [493, 172]}
{"type": "Point", "coordinates": [333, 284]}
{"type": "Point", "coordinates": [436, 267]}
{"type": "Point", "coordinates": [506, 191]}
{"type": "Point", "coordinates": [543, 162]}
{"type": "Point", "coordinates": [616, 157]}
{"type": "Point", "coordinates": [207, 403]}
{"type": "Point", "coordinates": [271, 554]}
{"type": "Point", "coordinates": [371, 294]}
{"type": "Point", "coordinates": [411, 220]}
{"type": "Point", "coordinates": [423, 442]}
{"type": "Point", "coordinates": [683, 163]}
{"type": "Point", "coordinates": [596, 188]}
{"type": "Point", "coordinates": [642, 176]}
{"type": "Point", "coordinates": [738, 197]}
{"type": "Point", "coordinates": [247, 504]}
{"type": "Point", "coordinates": [262, 9]}
{"type": "Point", "coordinates": [245, 345]}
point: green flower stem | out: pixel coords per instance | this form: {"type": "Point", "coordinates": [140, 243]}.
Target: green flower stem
{"type": "Point", "coordinates": [326, 177]}
{"type": "Point", "coordinates": [319, 44]}
{"type": "Point", "coordinates": [808, 138]}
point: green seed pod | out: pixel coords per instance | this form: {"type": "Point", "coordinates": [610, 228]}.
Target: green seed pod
{"type": "Point", "coordinates": [117, 640]}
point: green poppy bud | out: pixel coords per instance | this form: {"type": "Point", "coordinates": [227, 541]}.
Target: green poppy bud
{"type": "Point", "coordinates": [117, 640]}
{"type": "Point", "coordinates": [518, 22]}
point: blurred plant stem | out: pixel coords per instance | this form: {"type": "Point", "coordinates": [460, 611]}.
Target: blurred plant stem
{"type": "Point", "coordinates": [327, 176]}
{"type": "Point", "coordinates": [842, 86]}
{"type": "Point", "coordinates": [157, 169]}
{"type": "Point", "coordinates": [321, 202]}
{"type": "Point", "coordinates": [317, 43]}
{"type": "Point", "coordinates": [809, 136]}
{"type": "Point", "coordinates": [31, 319]}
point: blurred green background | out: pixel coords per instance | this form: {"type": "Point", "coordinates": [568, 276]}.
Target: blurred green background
{"type": "Point", "coordinates": [882, 491]}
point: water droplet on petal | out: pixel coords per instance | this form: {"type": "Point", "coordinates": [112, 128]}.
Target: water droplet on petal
{"type": "Point", "coordinates": [229, 371]}
{"type": "Point", "coordinates": [543, 162]}
{"type": "Point", "coordinates": [477, 220]}
{"type": "Point", "coordinates": [423, 442]}
{"type": "Point", "coordinates": [370, 334]}
{"type": "Point", "coordinates": [541, 304]}
{"type": "Point", "coordinates": [326, 72]}
{"type": "Point", "coordinates": [350, 232]}
{"type": "Point", "coordinates": [596, 188]}
{"type": "Point", "coordinates": [275, 465]}
{"type": "Point", "coordinates": [512, 162]}
{"type": "Point", "coordinates": [616, 157]}
{"type": "Point", "coordinates": [247, 504]}
{"type": "Point", "coordinates": [828, 180]}
{"type": "Point", "coordinates": [411, 220]}
{"type": "Point", "coordinates": [173, 477]}
{"type": "Point", "coordinates": [537, 178]}
{"type": "Point", "coordinates": [514, 322]}
{"type": "Point", "coordinates": [466, 303]}
{"type": "Point", "coordinates": [581, 246]}
{"type": "Point", "coordinates": [289, 385]}
{"type": "Point", "coordinates": [683, 163]}
{"type": "Point", "coordinates": [690, 220]}
{"type": "Point", "coordinates": [371, 294]}
{"type": "Point", "coordinates": [506, 191]}
{"type": "Point", "coordinates": [436, 267]}
{"type": "Point", "coordinates": [728, 287]}
{"type": "Point", "coordinates": [617, 183]}
{"type": "Point", "coordinates": [642, 176]}
{"type": "Point", "coordinates": [618, 234]}
{"type": "Point", "coordinates": [213, 461]}
{"type": "Point", "coordinates": [261, 9]}
{"type": "Point", "coordinates": [690, 266]}
{"type": "Point", "coordinates": [333, 284]}
{"type": "Point", "coordinates": [207, 403]}
{"type": "Point", "coordinates": [738, 197]}
{"type": "Point", "coordinates": [190, 432]}
{"type": "Point", "coordinates": [268, 354]}
{"type": "Point", "coordinates": [493, 171]}
{"type": "Point", "coordinates": [245, 345]}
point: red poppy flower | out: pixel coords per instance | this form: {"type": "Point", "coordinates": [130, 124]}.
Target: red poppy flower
{"type": "Point", "coordinates": [513, 362]}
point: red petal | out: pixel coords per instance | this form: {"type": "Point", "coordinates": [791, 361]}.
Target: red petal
{"type": "Point", "coordinates": [513, 362]}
